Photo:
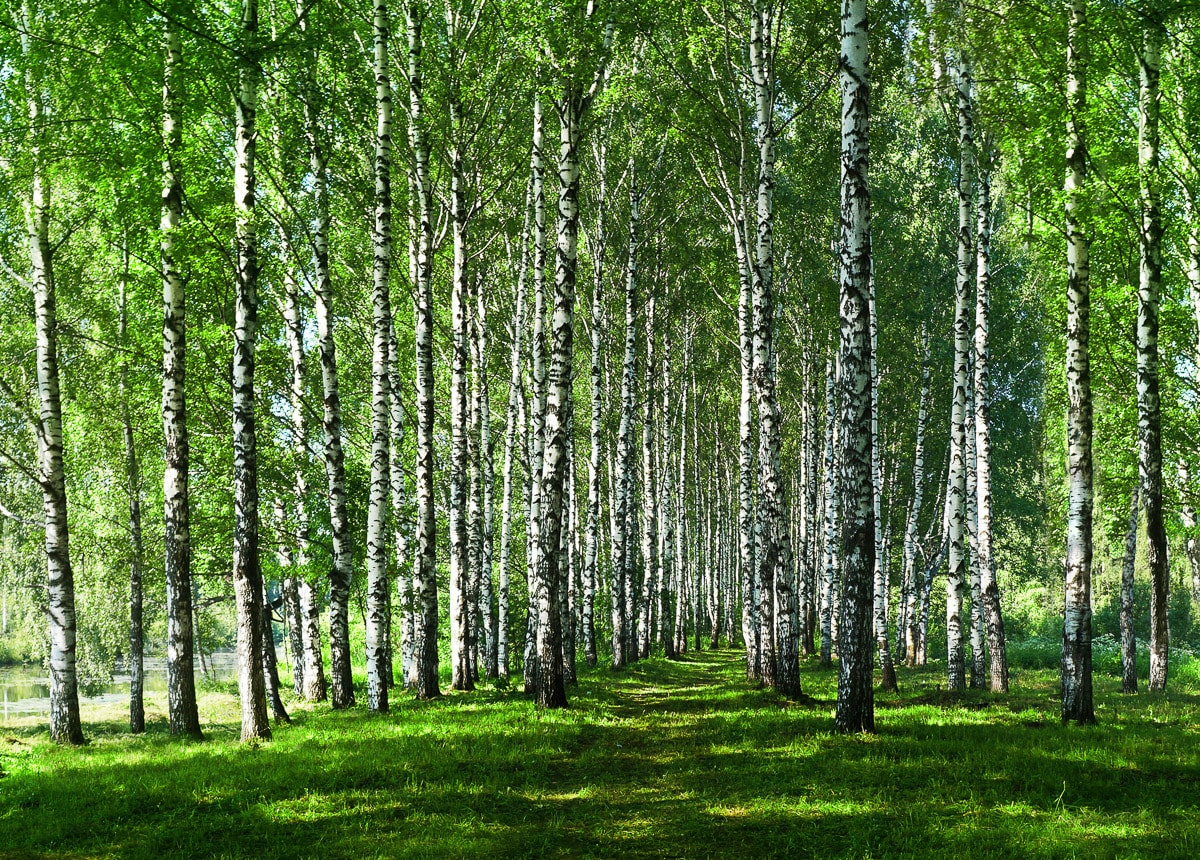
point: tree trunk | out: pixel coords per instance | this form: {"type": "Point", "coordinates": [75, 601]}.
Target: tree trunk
{"type": "Point", "coordinates": [60, 609]}
{"type": "Point", "coordinates": [510, 438]}
{"type": "Point", "coordinates": [550, 691]}
{"type": "Point", "coordinates": [137, 711]}
{"type": "Point", "coordinates": [487, 482]}
{"type": "Point", "coordinates": [309, 665]}
{"type": "Point", "coordinates": [537, 413]}
{"type": "Point", "coordinates": [177, 550]}
{"type": "Point", "coordinates": [887, 669]}
{"type": "Point", "coordinates": [379, 669]}
{"type": "Point", "coordinates": [957, 492]}
{"type": "Point", "coordinates": [247, 572]}
{"type": "Point", "coordinates": [270, 664]}
{"type": "Point", "coordinates": [855, 702]}
{"type": "Point", "coordinates": [622, 566]}
{"type": "Point", "coordinates": [832, 528]}
{"type": "Point", "coordinates": [650, 491]}
{"type": "Point", "coordinates": [1149, 408]}
{"type": "Point", "coordinates": [911, 586]}
{"type": "Point", "coordinates": [986, 562]}
{"type": "Point", "coordinates": [460, 573]}
{"type": "Point", "coordinates": [425, 662]}
{"type": "Point", "coordinates": [1077, 609]}
{"type": "Point", "coordinates": [1128, 643]}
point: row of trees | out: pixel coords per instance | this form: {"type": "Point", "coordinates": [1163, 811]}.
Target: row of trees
{"type": "Point", "coordinates": [801, 505]}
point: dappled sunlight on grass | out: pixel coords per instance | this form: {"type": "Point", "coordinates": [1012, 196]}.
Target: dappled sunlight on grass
{"type": "Point", "coordinates": [674, 758]}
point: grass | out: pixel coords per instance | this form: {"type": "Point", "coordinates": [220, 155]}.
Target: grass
{"type": "Point", "coordinates": [665, 759]}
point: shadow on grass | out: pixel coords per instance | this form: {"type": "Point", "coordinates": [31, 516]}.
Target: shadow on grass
{"type": "Point", "coordinates": [668, 758]}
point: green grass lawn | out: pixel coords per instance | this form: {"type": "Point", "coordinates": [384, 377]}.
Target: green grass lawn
{"type": "Point", "coordinates": [664, 759]}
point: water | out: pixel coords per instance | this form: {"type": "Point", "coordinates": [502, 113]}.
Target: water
{"type": "Point", "coordinates": [25, 690]}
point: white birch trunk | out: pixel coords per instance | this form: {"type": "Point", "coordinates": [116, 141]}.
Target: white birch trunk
{"type": "Point", "coordinates": [134, 660]}
{"type": "Point", "coordinates": [247, 572]}
{"type": "Point", "coordinates": [378, 610]}
{"type": "Point", "coordinates": [510, 437]}
{"type": "Point", "coordinates": [959, 562]}
{"type": "Point", "coordinates": [425, 662]}
{"type": "Point", "coordinates": [184, 719]}
{"type": "Point", "coordinates": [1149, 289]}
{"type": "Point", "coordinates": [986, 562]}
{"type": "Point", "coordinates": [1077, 610]}
{"type": "Point", "coordinates": [880, 613]}
{"type": "Point", "coordinates": [1128, 642]}
{"type": "Point", "coordinates": [60, 594]}
{"type": "Point", "coordinates": [622, 575]}
{"type": "Point", "coordinates": [855, 702]}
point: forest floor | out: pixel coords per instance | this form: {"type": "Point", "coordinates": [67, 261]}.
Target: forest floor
{"type": "Point", "coordinates": [664, 759]}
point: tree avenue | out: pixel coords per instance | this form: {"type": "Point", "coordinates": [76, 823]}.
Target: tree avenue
{"type": "Point", "coordinates": [539, 336]}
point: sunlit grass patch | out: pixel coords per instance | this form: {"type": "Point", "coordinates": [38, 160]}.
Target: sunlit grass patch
{"type": "Point", "coordinates": [677, 758]}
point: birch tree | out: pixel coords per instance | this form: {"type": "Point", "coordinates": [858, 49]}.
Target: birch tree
{"type": "Point", "coordinates": [247, 573]}
{"type": "Point", "coordinates": [855, 702]}
{"type": "Point", "coordinates": [183, 716]}
{"type": "Point", "coordinates": [378, 615]}
{"type": "Point", "coordinates": [1077, 616]}
{"type": "Point", "coordinates": [425, 660]}
{"type": "Point", "coordinates": [1149, 289]}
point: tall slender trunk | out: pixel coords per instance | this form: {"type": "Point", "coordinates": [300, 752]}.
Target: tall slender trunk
{"type": "Point", "coordinates": [599, 241]}
{"type": "Point", "coordinates": [400, 513]}
{"type": "Point", "coordinates": [1191, 545]}
{"type": "Point", "coordinates": [378, 616]}
{"type": "Point", "coordinates": [310, 665]}
{"type": "Point", "coordinates": [1077, 608]}
{"type": "Point", "coordinates": [425, 662]}
{"type": "Point", "coordinates": [780, 659]}
{"type": "Point", "coordinates": [959, 564]}
{"type": "Point", "coordinates": [247, 571]}
{"type": "Point", "coordinates": [270, 664]}
{"type": "Point", "coordinates": [1128, 642]}
{"type": "Point", "coordinates": [746, 518]}
{"type": "Point", "coordinates": [911, 586]}
{"type": "Point", "coordinates": [622, 567]}
{"type": "Point", "coordinates": [510, 438]}
{"type": "Point", "coordinates": [887, 669]}
{"type": "Point", "coordinates": [550, 691]}
{"type": "Point", "coordinates": [487, 483]}
{"type": "Point", "coordinates": [650, 491]}
{"type": "Point", "coordinates": [137, 711]}
{"type": "Point", "coordinates": [184, 717]}
{"type": "Point", "coordinates": [537, 413]}
{"type": "Point", "coordinates": [978, 667]}
{"type": "Point", "coordinates": [855, 702]}
{"type": "Point", "coordinates": [341, 570]}
{"type": "Point", "coordinates": [989, 588]}
{"type": "Point", "coordinates": [1149, 288]}
{"type": "Point", "coordinates": [832, 527]}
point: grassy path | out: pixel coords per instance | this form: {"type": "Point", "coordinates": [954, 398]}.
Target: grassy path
{"type": "Point", "coordinates": [666, 759]}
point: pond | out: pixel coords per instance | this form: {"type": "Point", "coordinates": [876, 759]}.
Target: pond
{"type": "Point", "coordinates": [25, 690]}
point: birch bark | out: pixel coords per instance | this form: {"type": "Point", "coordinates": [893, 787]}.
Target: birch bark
{"type": "Point", "coordinates": [1149, 289]}
{"type": "Point", "coordinates": [1077, 611]}
{"type": "Point", "coordinates": [855, 702]}
{"type": "Point", "coordinates": [247, 571]}
{"type": "Point", "coordinates": [184, 718]}
{"type": "Point", "coordinates": [378, 613]}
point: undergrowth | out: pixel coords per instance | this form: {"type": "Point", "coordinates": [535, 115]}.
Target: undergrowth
{"type": "Point", "coordinates": [665, 759]}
